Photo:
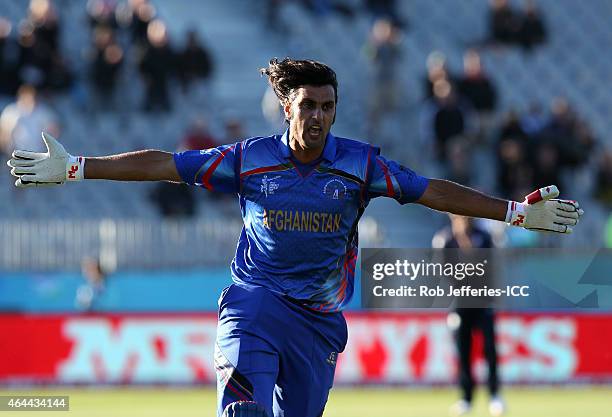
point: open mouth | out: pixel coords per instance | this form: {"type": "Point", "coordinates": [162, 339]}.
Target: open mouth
{"type": "Point", "coordinates": [314, 130]}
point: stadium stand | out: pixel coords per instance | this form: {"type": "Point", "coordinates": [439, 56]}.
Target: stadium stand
{"type": "Point", "coordinates": [569, 64]}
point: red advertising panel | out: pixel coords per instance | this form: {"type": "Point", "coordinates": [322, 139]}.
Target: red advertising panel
{"type": "Point", "coordinates": [383, 348]}
{"type": "Point", "coordinates": [418, 348]}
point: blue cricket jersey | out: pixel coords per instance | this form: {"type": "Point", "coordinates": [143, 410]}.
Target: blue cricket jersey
{"type": "Point", "coordinates": [300, 230]}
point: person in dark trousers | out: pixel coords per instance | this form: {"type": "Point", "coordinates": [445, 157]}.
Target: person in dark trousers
{"type": "Point", "coordinates": [157, 67]}
{"type": "Point", "coordinates": [195, 61]}
{"type": "Point", "coordinates": [464, 234]}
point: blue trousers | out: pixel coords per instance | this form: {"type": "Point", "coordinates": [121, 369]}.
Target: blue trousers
{"type": "Point", "coordinates": [276, 352]}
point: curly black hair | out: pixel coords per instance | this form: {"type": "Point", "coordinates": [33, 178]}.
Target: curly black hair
{"type": "Point", "coordinates": [289, 74]}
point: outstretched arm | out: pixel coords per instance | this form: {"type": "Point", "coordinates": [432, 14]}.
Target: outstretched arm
{"type": "Point", "coordinates": [540, 211]}
{"type": "Point", "coordinates": [447, 196]}
{"type": "Point", "coordinates": [146, 165]}
{"type": "Point", "coordinates": [57, 166]}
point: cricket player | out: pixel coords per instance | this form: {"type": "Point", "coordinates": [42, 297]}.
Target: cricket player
{"type": "Point", "coordinates": [463, 233]}
{"type": "Point", "coordinates": [301, 195]}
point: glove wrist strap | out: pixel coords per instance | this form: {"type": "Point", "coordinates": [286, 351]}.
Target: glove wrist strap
{"type": "Point", "coordinates": [515, 216]}
{"type": "Point", "coordinates": [75, 168]}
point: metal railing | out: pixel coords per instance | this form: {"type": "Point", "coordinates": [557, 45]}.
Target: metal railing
{"type": "Point", "coordinates": [52, 245]}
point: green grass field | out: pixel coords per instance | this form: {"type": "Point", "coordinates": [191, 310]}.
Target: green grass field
{"type": "Point", "coordinates": [382, 402]}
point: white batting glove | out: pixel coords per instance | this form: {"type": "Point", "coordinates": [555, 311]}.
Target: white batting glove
{"type": "Point", "coordinates": [36, 169]}
{"type": "Point", "coordinates": [541, 211]}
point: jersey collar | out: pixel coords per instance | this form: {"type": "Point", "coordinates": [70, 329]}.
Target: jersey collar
{"type": "Point", "coordinates": [329, 151]}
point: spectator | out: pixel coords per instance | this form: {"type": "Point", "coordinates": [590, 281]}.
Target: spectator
{"type": "Point", "coordinates": [459, 167]}
{"type": "Point", "coordinates": [504, 23]}
{"type": "Point", "coordinates": [572, 137]}
{"type": "Point", "coordinates": [106, 63]}
{"type": "Point", "coordinates": [533, 29]}
{"type": "Point", "coordinates": [177, 201]}
{"type": "Point", "coordinates": [60, 77]}
{"type": "Point", "coordinates": [562, 119]}
{"type": "Point", "coordinates": [478, 89]}
{"type": "Point", "coordinates": [156, 67]}
{"type": "Point", "coordinates": [35, 59]}
{"type": "Point", "coordinates": [533, 121]}
{"type": "Point", "coordinates": [514, 170]}
{"type": "Point", "coordinates": [578, 152]}
{"type": "Point", "coordinates": [102, 13]}
{"type": "Point", "coordinates": [383, 51]}
{"type": "Point", "coordinates": [194, 62]}
{"type": "Point", "coordinates": [385, 9]}
{"type": "Point", "coordinates": [437, 70]}
{"type": "Point", "coordinates": [88, 294]}
{"type": "Point", "coordinates": [546, 166]}
{"type": "Point", "coordinates": [173, 200]}
{"type": "Point", "coordinates": [511, 127]}
{"type": "Point", "coordinates": [9, 81]}
{"type": "Point", "coordinates": [40, 61]}
{"type": "Point", "coordinates": [475, 85]}
{"type": "Point", "coordinates": [515, 173]}
{"type": "Point", "coordinates": [21, 122]}
{"type": "Point", "coordinates": [198, 137]}
{"type": "Point", "coordinates": [444, 117]}
{"type": "Point", "coordinates": [44, 20]}
{"type": "Point", "coordinates": [139, 14]}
